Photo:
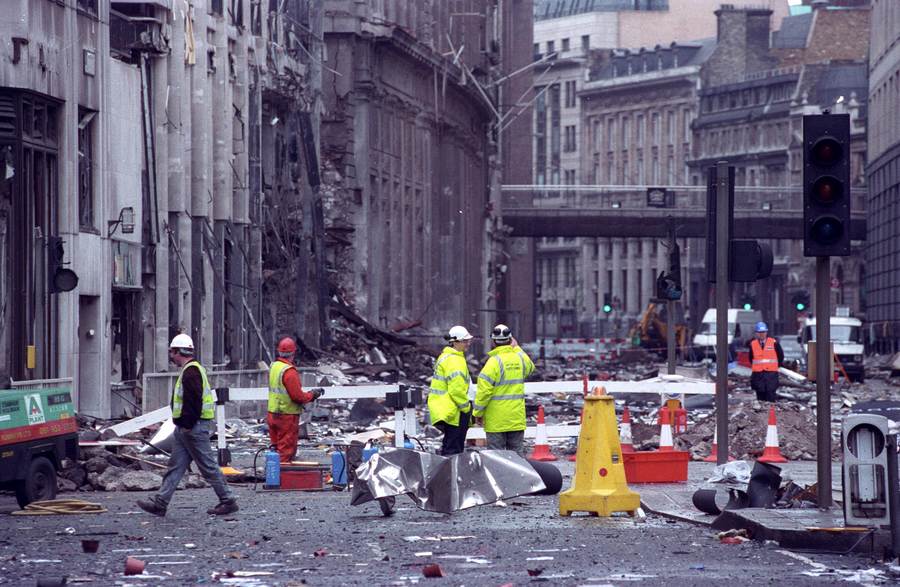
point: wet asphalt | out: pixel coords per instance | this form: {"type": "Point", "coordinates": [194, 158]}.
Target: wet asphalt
{"type": "Point", "coordinates": [317, 538]}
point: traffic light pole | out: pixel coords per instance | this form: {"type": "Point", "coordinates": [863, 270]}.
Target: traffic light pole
{"type": "Point", "coordinates": [722, 238]}
{"type": "Point", "coordinates": [823, 381]}
{"type": "Point", "coordinates": [670, 307]}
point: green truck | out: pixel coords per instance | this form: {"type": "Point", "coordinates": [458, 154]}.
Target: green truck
{"type": "Point", "coordinates": [38, 432]}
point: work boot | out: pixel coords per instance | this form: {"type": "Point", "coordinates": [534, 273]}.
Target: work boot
{"type": "Point", "coordinates": [151, 507]}
{"type": "Point", "coordinates": [224, 507]}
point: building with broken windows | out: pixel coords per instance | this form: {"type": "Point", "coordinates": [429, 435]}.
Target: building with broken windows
{"type": "Point", "coordinates": [139, 161]}
{"type": "Point", "coordinates": [163, 173]}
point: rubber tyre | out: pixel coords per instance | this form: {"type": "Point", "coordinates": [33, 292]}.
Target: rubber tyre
{"type": "Point", "coordinates": [39, 485]}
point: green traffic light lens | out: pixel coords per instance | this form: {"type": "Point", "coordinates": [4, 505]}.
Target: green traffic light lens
{"type": "Point", "coordinates": [800, 306]}
{"type": "Point", "coordinates": [606, 308]}
{"type": "Point", "coordinates": [826, 230]}
{"type": "Point", "coordinates": [827, 151]}
{"type": "Point", "coordinates": [827, 189]}
{"type": "Point", "coordinates": [748, 306]}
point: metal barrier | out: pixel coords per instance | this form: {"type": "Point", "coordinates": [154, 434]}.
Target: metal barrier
{"type": "Point", "coordinates": [43, 383]}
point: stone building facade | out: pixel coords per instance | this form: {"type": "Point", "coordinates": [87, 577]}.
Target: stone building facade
{"type": "Point", "coordinates": [883, 178]}
{"type": "Point", "coordinates": [201, 179]}
{"type": "Point", "coordinates": [739, 102]}
{"type": "Point", "coordinates": [141, 135]}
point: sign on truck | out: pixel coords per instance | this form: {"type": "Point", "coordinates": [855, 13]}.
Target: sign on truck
{"type": "Point", "coordinates": [38, 432]}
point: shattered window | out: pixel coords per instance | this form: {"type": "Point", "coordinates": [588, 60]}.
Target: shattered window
{"type": "Point", "coordinates": [85, 170]}
{"type": "Point", "coordinates": [88, 6]}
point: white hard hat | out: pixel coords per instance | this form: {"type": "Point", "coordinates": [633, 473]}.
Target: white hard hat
{"type": "Point", "coordinates": [458, 333]}
{"type": "Point", "coordinates": [182, 341]}
{"type": "Point", "coordinates": [501, 333]}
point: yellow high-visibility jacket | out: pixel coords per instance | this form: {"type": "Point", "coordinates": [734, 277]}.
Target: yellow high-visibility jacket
{"type": "Point", "coordinates": [500, 399]}
{"type": "Point", "coordinates": [279, 400]}
{"type": "Point", "coordinates": [208, 409]}
{"type": "Point", "coordinates": [449, 393]}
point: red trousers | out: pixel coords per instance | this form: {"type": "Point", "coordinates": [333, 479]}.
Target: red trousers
{"type": "Point", "coordinates": [283, 432]}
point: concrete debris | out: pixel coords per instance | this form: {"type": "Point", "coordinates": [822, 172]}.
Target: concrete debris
{"type": "Point", "coordinates": [332, 423]}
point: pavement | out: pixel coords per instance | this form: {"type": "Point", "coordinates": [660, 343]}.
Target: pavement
{"type": "Point", "coordinates": [796, 528]}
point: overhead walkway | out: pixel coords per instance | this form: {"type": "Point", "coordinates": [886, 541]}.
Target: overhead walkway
{"type": "Point", "coordinates": [641, 211]}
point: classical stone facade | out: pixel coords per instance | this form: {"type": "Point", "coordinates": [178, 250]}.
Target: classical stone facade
{"type": "Point", "coordinates": [883, 176]}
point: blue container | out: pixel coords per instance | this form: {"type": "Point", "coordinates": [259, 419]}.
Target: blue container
{"type": "Point", "coordinates": [339, 467]}
{"type": "Point", "coordinates": [273, 470]}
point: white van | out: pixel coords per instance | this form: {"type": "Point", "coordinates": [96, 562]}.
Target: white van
{"type": "Point", "coordinates": [847, 340]}
{"type": "Point", "coordinates": [741, 328]}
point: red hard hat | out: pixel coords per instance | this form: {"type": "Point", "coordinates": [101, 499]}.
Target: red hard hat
{"type": "Point", "coordinates": [286, 345]}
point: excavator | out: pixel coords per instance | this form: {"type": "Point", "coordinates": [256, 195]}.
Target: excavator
{"type": "Point", "coordinates": [652, 333]}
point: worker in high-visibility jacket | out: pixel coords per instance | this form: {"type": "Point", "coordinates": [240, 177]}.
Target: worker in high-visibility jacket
{"type": "Point", "coordinates": [193, 410]}
{"type": "Point", "coordinates": [766, 355]}
{"type": "Point", "coordinates": [448, 399]}
{"type": "Point", "coordinates": [500, 399]}
{"type": "Point", "coordinates": [286, 400]}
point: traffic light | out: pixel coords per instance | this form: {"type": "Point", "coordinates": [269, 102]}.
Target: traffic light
{"type": "Point", "coordinates": [749, 260]}
{"type": "Point", "coordinates": [826, 185]}
{"type": "Point", "coordinates": [711, 214]}
{"type": "Point", "coordinates": [607, 303]}
{"type": "Point", "coordinates": [800, 300]}
{"type": "Point", "coordinates": [59, 279]}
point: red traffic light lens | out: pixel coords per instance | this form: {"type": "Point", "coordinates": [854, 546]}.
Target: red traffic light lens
{"type": "Point", "coordinates": [826, 230]}
{"type": "Point", "coordinates": [827, 151]}
{"type": "Point", "coordinates": [827, 189]}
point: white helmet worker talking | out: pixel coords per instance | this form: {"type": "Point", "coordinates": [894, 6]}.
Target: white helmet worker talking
{"type": "Point", "coordinates": [457, 334]}
{"type": "Point", "coordinates": [182, 343]}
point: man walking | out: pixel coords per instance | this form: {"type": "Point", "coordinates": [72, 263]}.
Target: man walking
{"type": "Point", "coordinates": [500, 400]}
{"type": "Point", "coordinates": [193, 409]}
{"type": "Point", "coordinates": [448, 400]}
{"type": "Point", "coordinates": [766, 355]}
{"type": "Point", "coordinates": [286, 399]}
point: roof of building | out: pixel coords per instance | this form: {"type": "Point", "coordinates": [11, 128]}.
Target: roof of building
{"type": "Point", "coordinates": [793, 33]}
{"type": "Point", "coordinates": [662, 57]}
{"type": "Point", "coordinates": [547, 9]}
{"type": "Point", "coordinates": [841, 80]}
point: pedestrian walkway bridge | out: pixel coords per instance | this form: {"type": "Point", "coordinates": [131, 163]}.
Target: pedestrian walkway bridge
{"type": "Point", "coordinates": [641, 211]}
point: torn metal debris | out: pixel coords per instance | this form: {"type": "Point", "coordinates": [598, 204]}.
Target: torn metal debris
{"type": "Point", "coordinates": [446, 484]}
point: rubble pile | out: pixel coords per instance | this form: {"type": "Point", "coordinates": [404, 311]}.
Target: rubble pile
{"type": "Point", "coordinates": [363, 353]}
{"type": "Point", "coordinates": [100, 469]}
{"type": "Point", "coordinates": [747, 425]}
{"type": "Point", "coordinates": [369, 351]}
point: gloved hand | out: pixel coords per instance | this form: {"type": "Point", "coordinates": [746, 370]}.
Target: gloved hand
{"type": "Point", "coordinates": [317, 392]}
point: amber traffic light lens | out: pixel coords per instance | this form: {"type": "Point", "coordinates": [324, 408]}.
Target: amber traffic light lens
{"type": "Point", "coordinates": [827, 189]}
{"type": "Point", "coordinates": [827, 151]}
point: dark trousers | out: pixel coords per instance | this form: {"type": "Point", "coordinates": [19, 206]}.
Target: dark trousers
{"type": "Point", "coordinates": [454, 441]}
{"type": "Point", "coordinates": [764, 383]}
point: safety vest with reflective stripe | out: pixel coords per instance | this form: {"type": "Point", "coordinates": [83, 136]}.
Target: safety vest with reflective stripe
{"type": "Point", "coordinates": [449, 394]}
{"type": "Point", "coordinates": [764, 359]}
{"type": "Point", "coordinates": [208, 410]}
{"type": "Point", "coordinates": [279, 400]}
{"type": "Point", "coordinates": [500, 399]}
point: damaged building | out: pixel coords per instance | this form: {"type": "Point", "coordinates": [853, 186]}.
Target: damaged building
{"type": "Point", "coordinates": [241, 171]}
{"type": "Point", "coordinates": [412, 154]}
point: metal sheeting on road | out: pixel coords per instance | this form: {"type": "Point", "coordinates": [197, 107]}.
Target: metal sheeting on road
{"type": "Point", "coordinates": [445, 484]}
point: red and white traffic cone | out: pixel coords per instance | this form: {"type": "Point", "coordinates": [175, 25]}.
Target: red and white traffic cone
{"type": "Point", "coordinates": [541, 447]}
{"type": "Point", "coordinates": [772, 454]}
{"type": "Point", "coordinates": [665, 436]}
{"type": "Point", "coordinates": [714, 456]}
{"type": "Point", "coordinates": [625, 432]}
